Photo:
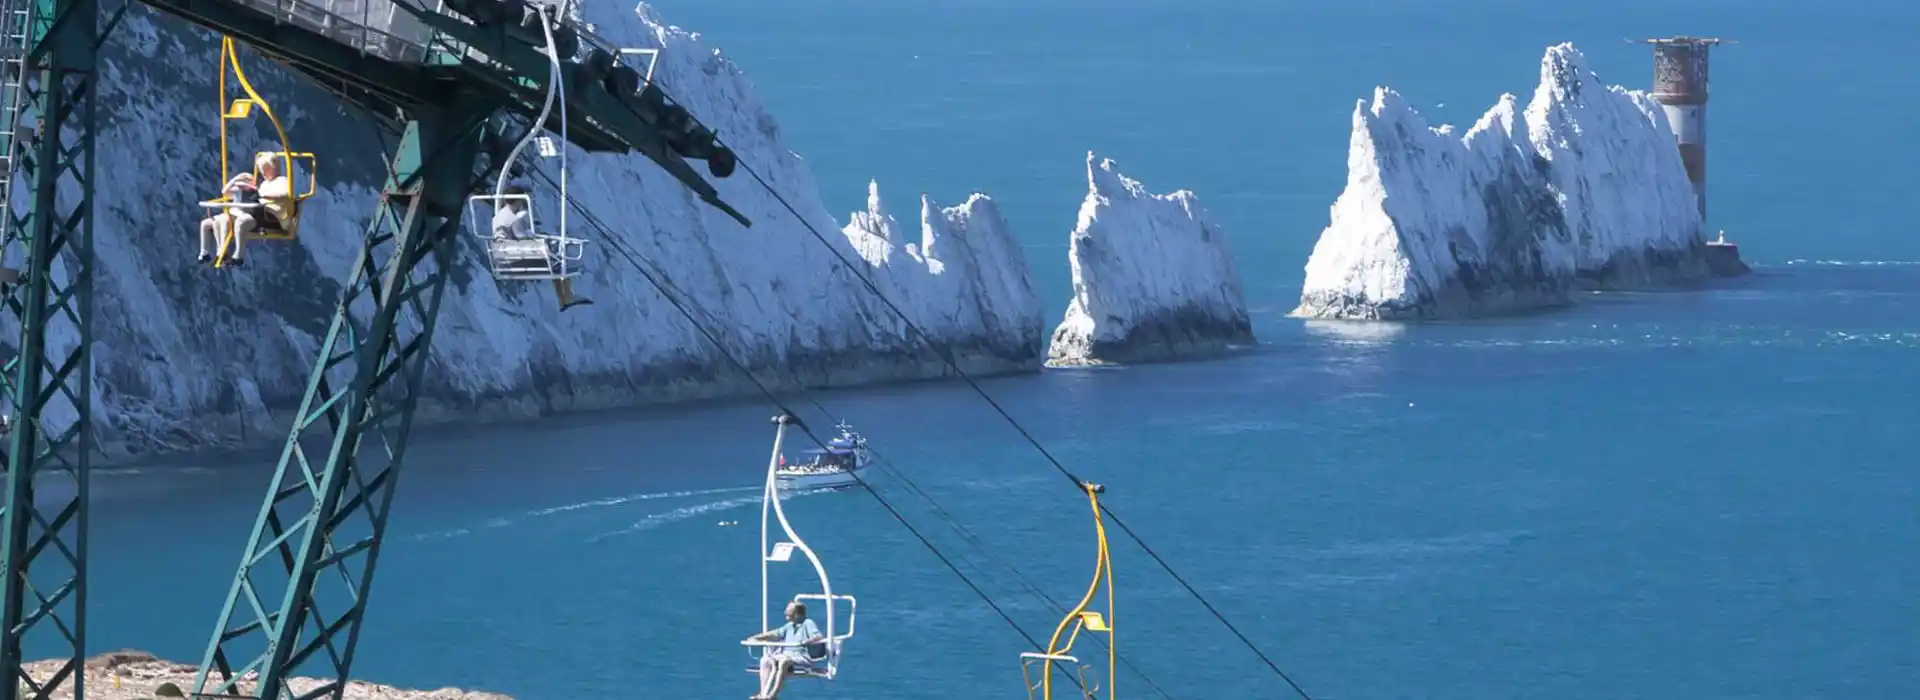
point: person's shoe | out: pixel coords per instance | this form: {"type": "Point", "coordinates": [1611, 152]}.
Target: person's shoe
{"type": "Point", "coordinates": [578, 301]}
{"type": "Point", "coordinates": [235, 262]}
{"type": "Point", "coordinates": [204, 258]}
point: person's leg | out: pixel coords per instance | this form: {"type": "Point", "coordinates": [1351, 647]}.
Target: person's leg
{"type": "Point", "coordinates": [208, 235]}
{"type": "Point", "coordinates": [243, 227]}
{"type": "Point", "coordinates": [780, 679]}
{"type": "Point", "coordinates": [563, 288]}
{"type": "Point", "coordinates": [769, 670]}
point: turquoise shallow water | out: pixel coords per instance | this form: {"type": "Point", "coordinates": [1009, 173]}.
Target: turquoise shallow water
{"type": "Point", "coordinates": [1697, 494]}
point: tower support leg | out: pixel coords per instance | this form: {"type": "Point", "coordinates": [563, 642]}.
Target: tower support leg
{"type": "Point", "coordinates": [48, 380]}
{"type": "Point", "coordinates": [301, 589]}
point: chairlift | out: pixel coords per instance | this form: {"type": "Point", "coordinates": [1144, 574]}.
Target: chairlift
{"type": "Point", "coordinates": [1077, 620]}
{"type": "Point", "coordinates": [269, 225]}
{"type": "Point", "coordinates": [822, 659]}
{"type": "Point", "coordinates": [517, 248]}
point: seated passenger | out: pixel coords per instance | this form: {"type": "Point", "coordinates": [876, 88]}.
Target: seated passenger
{"type": "Point", "coordinates": [512, 221]}
{"type": "Point", "coordinates": [510, 216]}
{"type": "Point", "coordinates": [780, 662]}
{"type": "Point", "coordinates": [272, 191]}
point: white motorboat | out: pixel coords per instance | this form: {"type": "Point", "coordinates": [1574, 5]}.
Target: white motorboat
{"type": "Point", "coordinates": [827, 467]}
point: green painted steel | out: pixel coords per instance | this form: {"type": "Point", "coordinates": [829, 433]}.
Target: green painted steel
{"type": "Point", "coordinates": [499, 56]}
{"type": "Point", "coordinates": [319, 532]}
{"type": "Point", "coordinates": [48, 379]}
{"type": "Point", "coordinates": [325, 514]}
{"type": "Point", "coordinates": [300, 593]}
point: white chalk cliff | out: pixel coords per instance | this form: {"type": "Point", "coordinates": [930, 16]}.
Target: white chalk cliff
{"type": "Point", "coordinates": [1152, 278]}
{"type": "Point", "coordinates": [1582, 189]}
{"type": "Point", "coordinates": [188, 357]}
{"type": "Point", "coordinates": [965, 279]}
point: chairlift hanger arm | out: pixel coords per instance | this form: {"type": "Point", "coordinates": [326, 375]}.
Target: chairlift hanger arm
{"type": "Point", "coordinates": [524, 99]}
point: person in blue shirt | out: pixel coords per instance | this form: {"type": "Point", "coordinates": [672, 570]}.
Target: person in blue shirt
{"type": "Point", "coordinates": [799, 634]}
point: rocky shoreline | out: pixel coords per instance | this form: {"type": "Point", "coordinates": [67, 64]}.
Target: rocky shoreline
{"type": "Point", "coordinates": [1189, 332]}
{"type": "Point", "coordinates": [138, 675]}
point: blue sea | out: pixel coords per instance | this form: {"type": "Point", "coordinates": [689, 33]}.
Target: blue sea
{"type": "Point", "coordinates": [1702, 494]}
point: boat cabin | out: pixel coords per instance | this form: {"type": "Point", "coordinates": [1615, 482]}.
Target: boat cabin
{"type": "Point", "coordinates": [835, 457]}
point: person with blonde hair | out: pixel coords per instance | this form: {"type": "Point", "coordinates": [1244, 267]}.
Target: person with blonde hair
{"type": "Point", "coordinates": [271, 190]}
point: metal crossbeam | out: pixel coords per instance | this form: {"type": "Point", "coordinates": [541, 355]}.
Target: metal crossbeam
{"type": "Point", "coordinates": [380, 82]}
{"type": "Point", "coordinates": [325, 515]}
{"type": "Point", "coordinates": [47, 381]}
{"type": "Point", "coordinates": [508, 60]}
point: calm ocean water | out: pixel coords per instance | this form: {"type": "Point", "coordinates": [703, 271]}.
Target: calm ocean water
{"type": "Point", "coordinates": [1698, 494]}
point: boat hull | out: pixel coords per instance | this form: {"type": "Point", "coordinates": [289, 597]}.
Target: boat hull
{"type": "Point", "coordinates": [817, 480]}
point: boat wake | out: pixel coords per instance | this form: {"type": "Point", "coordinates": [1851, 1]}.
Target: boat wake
{"type": "Point", "coordinates": [678, 514]}
{"type": "Point", "coordinates": [1854, 263]}
{"type": "Point", "coordinates": [584, 505]}
{"type": "Point", "coordinates": [617, 500]}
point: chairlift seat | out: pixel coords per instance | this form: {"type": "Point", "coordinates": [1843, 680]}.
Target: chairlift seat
{"type": "Point", "coordinates": [269, 226]}
{"type": "Point", "coordinates": [539, 258]}
{"type": "Point", "coordinates": [265, 223]}
{"type": "Point", "coordinates": [817, 666]}
{"type": "Point", "coordinates": [799, 671]}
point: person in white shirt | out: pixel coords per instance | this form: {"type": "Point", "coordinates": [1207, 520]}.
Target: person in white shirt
{"type": "Point", "coordinates": [512, 220]}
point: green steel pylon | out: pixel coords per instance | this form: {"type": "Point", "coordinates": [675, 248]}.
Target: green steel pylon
{"type": "Point", "coordinates": [301, 590]}
{"type": "Point", "coordinates": [48, 52]}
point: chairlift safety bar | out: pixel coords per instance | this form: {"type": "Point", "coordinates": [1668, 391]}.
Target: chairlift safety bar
{"type": "Point", "coordinates": [1037, 656]}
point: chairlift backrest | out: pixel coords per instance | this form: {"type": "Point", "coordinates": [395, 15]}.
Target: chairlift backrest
{"type": "Point", "coordinates": [291, 166]}
{"type": "Point", "coordinates": [523, 252]}
{"type": "Point", "coordinates": [483, 218]}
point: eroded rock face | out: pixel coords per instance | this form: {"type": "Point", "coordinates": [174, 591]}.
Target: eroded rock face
{"type": "Point", "coordinates": [138, 675]}
{"type": "Point", "coordinates": [964, 279]}
{"type": "Point", "coordinates": [1583, 189]}
{"type": "Point", "coordinates": [188, 357]}
{"type": "Point", "coordinates": [1152, 278]}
